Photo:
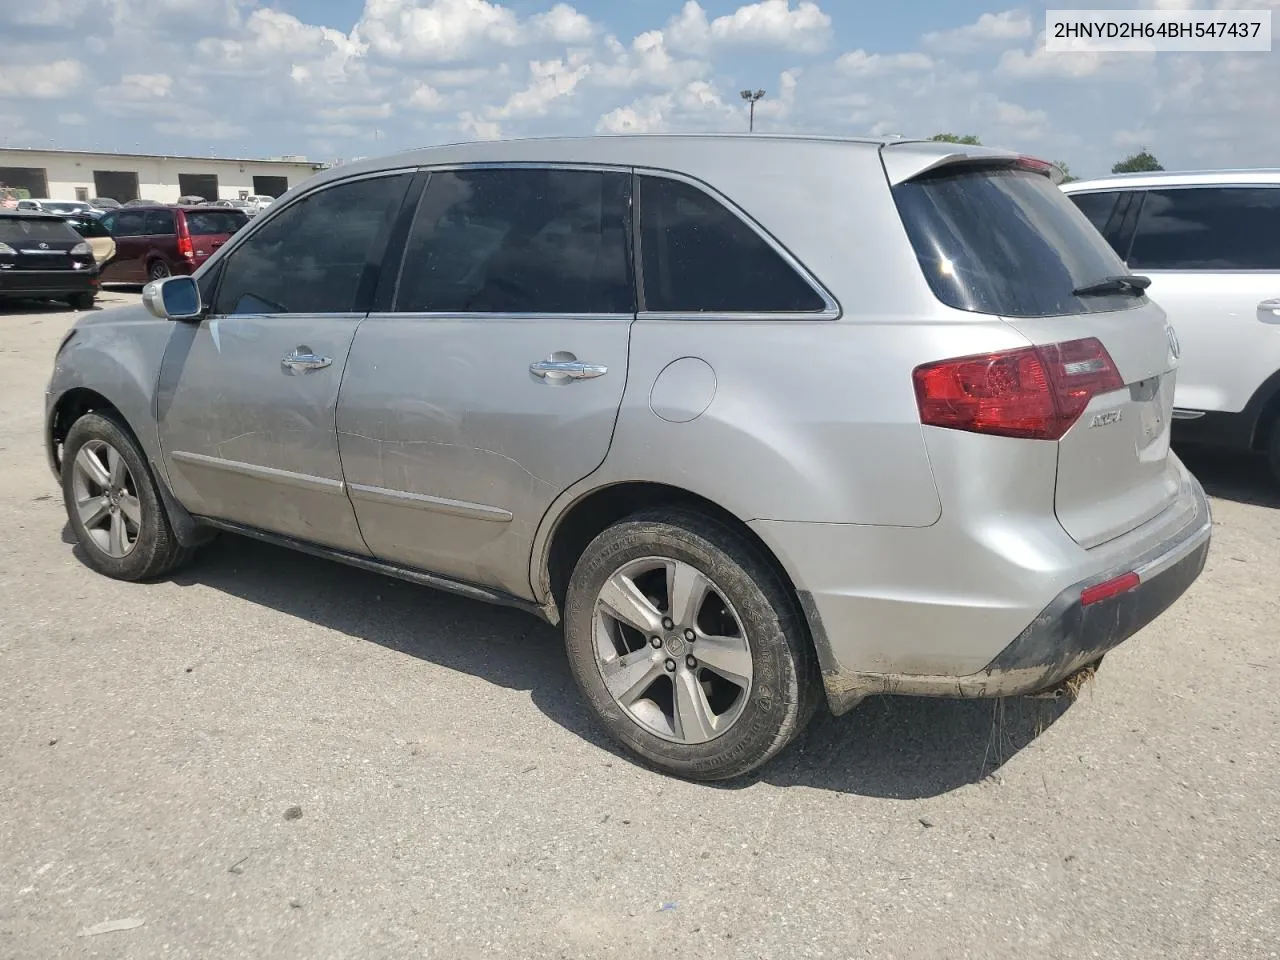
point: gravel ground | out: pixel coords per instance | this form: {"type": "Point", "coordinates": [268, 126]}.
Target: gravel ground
{"type": "Point", "coordinates": [275, 756]}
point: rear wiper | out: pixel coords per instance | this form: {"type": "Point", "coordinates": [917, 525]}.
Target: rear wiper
{"type": "Point", "coordinates": [1132, 283]}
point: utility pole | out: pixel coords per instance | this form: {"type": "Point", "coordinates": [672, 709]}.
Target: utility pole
{"type": "Point", "coordinates": [752, 97]}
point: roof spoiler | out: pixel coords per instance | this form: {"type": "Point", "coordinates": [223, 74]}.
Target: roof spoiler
{"type": "Point", "coordinates": [906, 160]}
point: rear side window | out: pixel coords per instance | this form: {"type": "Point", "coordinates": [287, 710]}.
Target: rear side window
{"type": "Point", "coordinates": [160, 223]}
{"type": "Point", "coordinates": [209, 223]}
{"type": "Point", "coordinates": [88, 227]}
{"type": "Point", "coordinates": [700, 257]}
{"type": "Point", "coordinates": [1098, 207]}
{"type": "Point", "coordinates": [1006, 242]}
{"type": "Point", "coordinates": [130, 223]}
{"type": "Point", "coordinates": [520, 241]}
{"type": "Point", "coordinates": [29, 229]}
{"type": "Point", "coordinates": [318, 255]}
{"type": "Point", "coordinates": [1208, 228]}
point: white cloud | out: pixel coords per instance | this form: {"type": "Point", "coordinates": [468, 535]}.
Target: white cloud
{"type": "Point", "coordinates": [141, 87]}
{"type": "Point", "coordinates": [49, 82]}
{"type": "Point", "coordinates": [859, 63]}
{"type": "Point", "coordinates": [990, 28]}
{"type": "Point", "coordinates": [766, 23]}
{"type": "Point", "coordinates": [563, 24]}
{"type": "Point", "coordinates": [426, 97]}
{"type": "Point", "coordinates": [550, 81]}
{"type": "Point", "coordinates": [647, 61]}
{"type": "Point", "coordinates": [696, 107]}
{"type": "Point", "coordinates": [203, 131]}
{"type": "Point", "coordinates": [478, 127]}
{"type": "Point", "coordinates": [444, 31]}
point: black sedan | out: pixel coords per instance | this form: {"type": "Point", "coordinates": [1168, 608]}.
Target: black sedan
{"type": "Point", "coordinates": [43, 258]}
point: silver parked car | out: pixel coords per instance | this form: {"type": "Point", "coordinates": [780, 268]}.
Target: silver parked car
{"type": "Point", "coordinates": [1211, 243]}
{"type": "Point", "coordinates": [757, 419]}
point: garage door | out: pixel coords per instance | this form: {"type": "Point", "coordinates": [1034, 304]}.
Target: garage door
{"type": "Point", "coordinates": [119, 185]}
{"type": "Point", "coordinates": [31, 179]}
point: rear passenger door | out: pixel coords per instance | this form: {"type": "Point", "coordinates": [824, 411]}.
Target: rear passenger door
{"type": "Point", "coordinates": [127, 227]}
{"type": "Point", "coordinates": [1213, 255]}
{"type": "Point", "coordinates": [160, 245]}
{"type": "Point", "coordinates": [490, 382]}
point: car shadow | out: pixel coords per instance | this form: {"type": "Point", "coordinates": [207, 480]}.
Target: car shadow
{"type": "Point", "coordinates": [889, 747]}
{"type": "Point", "coordinates": [1240, 477]}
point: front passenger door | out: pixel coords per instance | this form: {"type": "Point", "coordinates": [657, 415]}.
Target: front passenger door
{"type": "Point", "coordinates": [248, 395]}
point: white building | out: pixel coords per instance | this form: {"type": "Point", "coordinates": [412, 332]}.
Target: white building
{"type": "Point", "coordinates": [81, 174]}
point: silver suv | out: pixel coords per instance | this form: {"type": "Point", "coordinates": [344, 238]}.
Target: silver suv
{"type": "Point", "coordinates": [757, 419]}
{"type": "Point", "coordinates": [1211, 242]}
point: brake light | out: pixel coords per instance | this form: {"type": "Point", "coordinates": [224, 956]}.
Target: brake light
{"type": "Point", "coordinates": [185, 249]}
{"type": "Point", "coordinates": [1111, 588]}
{"type": "Point", "coordinates": [1034, 393]}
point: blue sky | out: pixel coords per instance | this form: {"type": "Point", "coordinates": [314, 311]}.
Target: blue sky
{"type": "Point", "coordinates": [344, 78]}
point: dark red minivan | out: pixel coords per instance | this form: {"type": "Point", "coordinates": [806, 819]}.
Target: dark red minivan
{"type": "Point", "coordinates": [157, 242]}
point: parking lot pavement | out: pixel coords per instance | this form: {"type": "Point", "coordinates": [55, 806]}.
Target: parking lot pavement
{"type": "Point", "coordinates": [158, 741]}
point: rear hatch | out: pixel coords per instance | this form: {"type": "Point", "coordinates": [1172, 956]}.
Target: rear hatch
{"type": "Point", "coordinates": [38, 242]}
{"type": "Point", "coordinates": [211, 227]}
{"type": "Point", "coordinates": [994, 235]}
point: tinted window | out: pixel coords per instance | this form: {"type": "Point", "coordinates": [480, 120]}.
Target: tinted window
{"type": "Point", "coordinates": [313, 256]}
{"type": "Point", "coordinates": [1005, 242]}
{"type": "Point", "coordinates": [160, 222]}
{"type": "Point", "coordinates": [88, 227]}
{"type": "Point", "coordinates": [1097, 207]}
{"type": "Point", "coordinates": [207, 223]}
{"type": "Point", "coordinates": [1213, 228]}
{"type": "Point", "coordinates": [21, 229]}
{"type": "Point", "coordinates": [128, 223]}
{"type": "Point", "coordinates": [700, 257]}
{"type": "Point", "coordinates": [519, 241]}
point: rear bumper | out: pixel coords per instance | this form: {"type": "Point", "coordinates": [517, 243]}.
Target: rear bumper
{"type": "Point", "coordinates": [47, 283]}
{"type": "Point", "coordinates": [949, 632]}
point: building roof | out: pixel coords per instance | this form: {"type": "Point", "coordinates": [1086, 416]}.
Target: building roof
{"type": "Point", "coordinates": [294, 162]}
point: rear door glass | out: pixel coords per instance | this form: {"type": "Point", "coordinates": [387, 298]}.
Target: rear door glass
{"type": "Point", "coordinates": [210, 223]}
{"type": "Point", "coordinates": [1006, 242]}
{"type": "Point", "coordinates": [159, 223]}
{"type": "Point", "coordinates": [1208, 228]}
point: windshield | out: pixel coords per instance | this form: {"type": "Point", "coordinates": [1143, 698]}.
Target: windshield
{"type": "Point", "coordinates": [214, 222]}
{"type": "Point", "coordinates": [64, 206]}
{"type": "Point", "coordinates": [1007, 242]}
{"type": "Point", "coordinates": [24, 229]}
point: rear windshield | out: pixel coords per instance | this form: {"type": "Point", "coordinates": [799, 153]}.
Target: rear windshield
{"type": "Point", "coordinates": [206, 223]}
{"type": "Point", "coordinates": [34, 228]}
{"type": "Point", "coordinates": [1006, 242]}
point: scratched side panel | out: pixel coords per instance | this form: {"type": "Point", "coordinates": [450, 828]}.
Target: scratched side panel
{"type": "Point", "coordinates": [249, 441]}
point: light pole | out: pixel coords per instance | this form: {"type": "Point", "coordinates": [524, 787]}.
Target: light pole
{"type": "Point", "coordinates": [752, 97]}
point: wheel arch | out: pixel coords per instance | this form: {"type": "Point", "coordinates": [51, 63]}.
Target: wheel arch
{"type": "Point", "coordinates": [1264, 407]}
{"type": "Point", "coordinates": [583, 518]}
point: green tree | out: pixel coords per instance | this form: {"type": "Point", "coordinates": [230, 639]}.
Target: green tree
{"type": "Point", "coordinates": [968, 139]}
{"type": "Point", "coordinates": [1141, 162]}
{"type": "Point", "coordinates": [1066, 171]}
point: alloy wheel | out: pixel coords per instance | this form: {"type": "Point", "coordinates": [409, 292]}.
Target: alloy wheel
{"type": "Point", "coordinates": [106, 498]}
{"type": "Point", "coordinates": [671, 650]}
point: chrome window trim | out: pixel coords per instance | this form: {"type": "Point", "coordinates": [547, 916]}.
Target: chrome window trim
{"type": "Point", "coordinates": [831, 307]}
{"type": "Point", "coordinates": [492, 315]}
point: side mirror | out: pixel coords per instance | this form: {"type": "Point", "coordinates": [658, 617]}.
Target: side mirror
{"type": "Point", "coordinates": [173, 298]}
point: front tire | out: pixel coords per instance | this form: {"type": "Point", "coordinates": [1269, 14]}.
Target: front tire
{"type": "Point", "coordinates": [687, 645]}
{"type": "Point", "coordinates": [113, 504]}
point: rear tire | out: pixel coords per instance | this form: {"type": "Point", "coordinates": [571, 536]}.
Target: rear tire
{"type": "Point", "coordinates": [662, 701]}
{"type": "Point", "coordinates": [81, 301]}
{"type": "Point", "coordinates": [158, 270]}
{"type": "Point", "coordinates": [113, 504]}
{"type": "Point", "coordinates": [1273, 449]}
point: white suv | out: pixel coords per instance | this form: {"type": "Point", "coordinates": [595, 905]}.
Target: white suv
{"type": "Point", "coordinates": [1211, 243]}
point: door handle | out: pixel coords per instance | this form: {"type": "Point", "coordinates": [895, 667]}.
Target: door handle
{"type": "Point", "coordinates": [303, 359]}
{"type": "Point", "coordinates": [567, 370]}
{"type": "Point", "coordinates": [1269, 310]}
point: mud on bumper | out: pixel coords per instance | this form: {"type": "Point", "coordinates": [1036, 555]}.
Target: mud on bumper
{"type": "Point", "coordinates": [1065, 637]}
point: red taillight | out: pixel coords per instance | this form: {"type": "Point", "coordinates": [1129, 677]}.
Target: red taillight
{"type": "Point", "coordinates": [185, 249]}
{"type": "Point", "coordinates": [1112, 588]}
{"type": "Point", "coordinates": [1035, 393]}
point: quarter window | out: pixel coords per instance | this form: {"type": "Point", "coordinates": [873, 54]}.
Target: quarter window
{"type": "Point", "coordinates": [159, 223]}
{"type": "Point", "coordinates": [1208, 228]}
{"type": "Point", "coordinates": [519, 241]}
{"type": "Point", "coordinates": [699, 257]}
{"type": "Point", "coordinates": [1098, 207]}
{"type": "Point", "coordinates": [130, 223]}
{"type": "Point", "coordinates": [318, 255]}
